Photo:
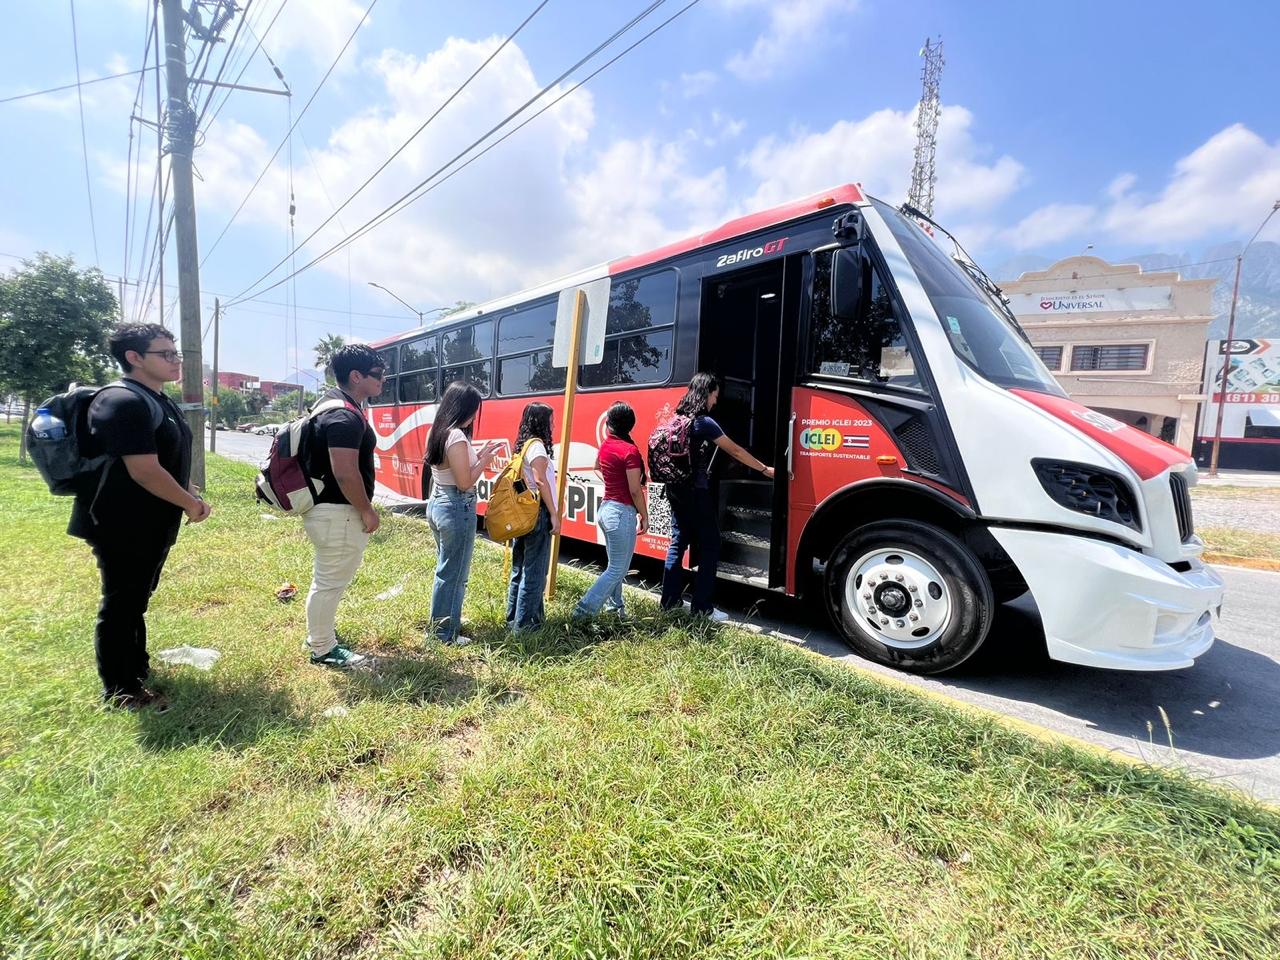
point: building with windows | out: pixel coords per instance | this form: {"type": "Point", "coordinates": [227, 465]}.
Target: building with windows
{"type": "Point", "coordinates": [1125, 342]}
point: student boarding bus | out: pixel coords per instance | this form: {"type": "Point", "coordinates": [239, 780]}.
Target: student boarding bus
{"type": "Point", "coordinates": [928, 465]}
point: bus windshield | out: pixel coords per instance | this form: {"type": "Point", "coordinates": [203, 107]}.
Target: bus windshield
{"type": "Point", "coordinates": [978, 331]}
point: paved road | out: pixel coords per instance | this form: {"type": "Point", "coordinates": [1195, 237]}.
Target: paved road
{"type": "Point", "coordinates": [1224, 713]}
{"type": "Point", "coordinates": [245, 447]}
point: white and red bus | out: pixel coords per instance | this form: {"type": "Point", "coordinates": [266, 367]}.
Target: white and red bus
{"type": "Point", "coordinates": [928, 465]}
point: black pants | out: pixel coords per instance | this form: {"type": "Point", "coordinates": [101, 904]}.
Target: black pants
{"type": "Point", "coordinates": [130, 569]}
{"type": "Point", "coordinates": [695, 524]}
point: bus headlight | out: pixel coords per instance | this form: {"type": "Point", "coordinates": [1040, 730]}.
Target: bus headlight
{"type": "Point", "coordinates": [1089, 490]}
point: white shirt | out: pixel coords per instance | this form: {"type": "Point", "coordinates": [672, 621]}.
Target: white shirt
{"type": "Point", "coordinates": [443, 473]}
{"type": "Point", "coordinates": [538, 449]}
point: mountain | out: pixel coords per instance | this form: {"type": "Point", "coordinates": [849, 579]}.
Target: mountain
{"type": "Point", "coordinates": [1258, 309]}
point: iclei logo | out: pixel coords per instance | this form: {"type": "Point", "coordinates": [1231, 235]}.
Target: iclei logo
{"type": "Point", "coordinates": [821, 439]}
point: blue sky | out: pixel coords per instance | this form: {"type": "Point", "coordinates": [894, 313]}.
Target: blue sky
{"type": "Point", "coordinates": [1114, 124]}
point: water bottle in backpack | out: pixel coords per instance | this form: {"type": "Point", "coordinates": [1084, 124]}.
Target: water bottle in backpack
{"type": "Point", "coordinates": [47, 427]}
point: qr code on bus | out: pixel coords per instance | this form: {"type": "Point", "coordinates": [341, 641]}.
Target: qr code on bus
{"type": "Point", "coordinates": [659, 511]}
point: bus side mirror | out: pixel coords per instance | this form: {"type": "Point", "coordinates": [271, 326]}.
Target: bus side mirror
{"type": "Point", "coordinates": [847, 268]}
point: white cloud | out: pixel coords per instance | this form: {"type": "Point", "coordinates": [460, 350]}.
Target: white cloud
{"type": "Point", "coordinates": [878, 151]}
{"type": "Point", "coordinates": [1226, 185]}
{"type": "Point", "coordinates": [696, 84]}
{"type": "Point", "coordinates": [792, 29]}
{"type": "Point", "coordinates": [318, 29]}
{"type": "Point", "coordinates": [1050, 224]}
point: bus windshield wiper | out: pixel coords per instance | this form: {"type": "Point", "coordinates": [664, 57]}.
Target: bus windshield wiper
{"type": "Point", "coordinates": [971, 268]}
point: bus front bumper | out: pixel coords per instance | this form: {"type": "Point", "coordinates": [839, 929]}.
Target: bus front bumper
{"type": "Point", "coordinates": [1104, 605]}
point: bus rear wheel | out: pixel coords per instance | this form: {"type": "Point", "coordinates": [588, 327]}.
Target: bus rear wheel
{"type": "Point", "coordinates": [909, 595]}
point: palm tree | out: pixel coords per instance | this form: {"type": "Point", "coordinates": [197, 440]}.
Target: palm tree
{"type": "Point", "coordinates": [328, 345]}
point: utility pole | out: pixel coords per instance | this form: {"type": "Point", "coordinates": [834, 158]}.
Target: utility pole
{"type": "Point", "coordinates": [1227, 344]}
{"type": "Point", "coordinates": [180, 122]}
{"type": "Point", "coordinates": [213, 434]}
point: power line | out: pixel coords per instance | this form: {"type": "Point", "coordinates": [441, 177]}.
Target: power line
{"type": "Point", "coordinates": [84, 143]}
{"type": "Point", "coordinates": [395, 207]}
{"type": "Point", "coordinates": [223, 102]}
{"type": "Point", "coordinates": [74, 86]}
{"type": "Point", "coordinates": [298, 120]}
{"type": "Point", "coordinates": [400, 149]}
{"type": "Point", "coordinates": [244, 15]}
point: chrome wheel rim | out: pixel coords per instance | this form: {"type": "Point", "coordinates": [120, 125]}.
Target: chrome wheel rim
{"type": "Point", "coordinates": [898, 598]}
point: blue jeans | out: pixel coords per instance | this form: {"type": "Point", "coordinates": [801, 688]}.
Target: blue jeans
{"type": "Point", "coordinates": [694, 523]}
{"type": "Point", "coordinates": [452, 516]}
{"type": "Point", "coordinates": [617, 522]}
{"type": "Point", "coordinates": [530, 557]}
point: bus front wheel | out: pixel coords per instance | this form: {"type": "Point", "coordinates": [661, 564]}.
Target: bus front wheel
{"type": "Point", "coordinates": [909, 595]}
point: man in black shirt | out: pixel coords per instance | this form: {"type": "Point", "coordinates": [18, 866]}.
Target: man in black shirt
{"type": "Point", "coordinates": [131, 518]}
{"type": "Point", "coordinates": [339, 525]}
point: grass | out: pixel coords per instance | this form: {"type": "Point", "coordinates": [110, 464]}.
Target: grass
{"type": "Point", "coordinates": [639, 790]}
{"type": "Point", "coordinates": [1241, 547]}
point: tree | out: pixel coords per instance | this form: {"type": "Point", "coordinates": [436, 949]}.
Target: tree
{"type": "Point", "coordinates": [328, 345]}
{"type": "Point", "coordinates": [231, 407]}
{"type": "Point", "coordinates": [459, 306]}
{"type": "Point", "coordinates": [54, 322]}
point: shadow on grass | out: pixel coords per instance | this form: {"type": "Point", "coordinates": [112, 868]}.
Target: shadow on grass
{"type": "Point", "coordinates": [209, 709]}
{"type": "Point", "coordinates": [233, 713]}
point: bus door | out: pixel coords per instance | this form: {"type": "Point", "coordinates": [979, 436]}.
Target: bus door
{"type": "Point", "coordinates": [748, 323]}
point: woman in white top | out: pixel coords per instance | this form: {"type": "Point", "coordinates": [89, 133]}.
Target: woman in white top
{"type": "Point", "coordinates": [451, 509]}
{"type": "Point", "coordinates": [531, 554]}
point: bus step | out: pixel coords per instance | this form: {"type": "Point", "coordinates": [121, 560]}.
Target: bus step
{"type": "Point", "coordinates": [744, 573]}
{"type": "Point", "coordinates": [752, 553]}
{"type": "Point", "coordinates": [744, 537]}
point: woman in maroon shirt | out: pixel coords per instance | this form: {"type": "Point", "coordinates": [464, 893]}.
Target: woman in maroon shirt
{"type": "Point", "coordinates": [624, 513]}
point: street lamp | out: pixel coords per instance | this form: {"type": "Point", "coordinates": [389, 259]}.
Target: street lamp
{"type": "Point", "coordinates": [1231, 334]}
{"type": "Point", "coordinates": [420, 313]}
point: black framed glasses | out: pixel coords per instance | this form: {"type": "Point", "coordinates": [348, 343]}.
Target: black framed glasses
{"type": "Point", "coordinates": [173, 356]}
{"type": "Point", "coordinates": [377, 373]}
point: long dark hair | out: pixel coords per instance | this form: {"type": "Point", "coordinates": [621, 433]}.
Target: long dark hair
{"type": "Point", "coordinates": [696, 400]}
{"type": "Point", "coordinates": [620, 419]}
{"type": "Point", "coordinates": [460, 403]}
{"type": "Point", "coordinates": [535, 424]}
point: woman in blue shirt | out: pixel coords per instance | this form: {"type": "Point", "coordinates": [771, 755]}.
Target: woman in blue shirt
{"type": "Point", "coordinates": [695, 512]}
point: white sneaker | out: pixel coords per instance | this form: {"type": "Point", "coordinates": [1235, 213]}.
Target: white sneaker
{"type": "Point", "coordinates": [459, 641]}
{"type": "Point", "coordinates": [719, 616]}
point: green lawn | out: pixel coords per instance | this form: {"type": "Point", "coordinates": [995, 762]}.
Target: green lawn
{"type": "Point", "coordinates": [639, 791]}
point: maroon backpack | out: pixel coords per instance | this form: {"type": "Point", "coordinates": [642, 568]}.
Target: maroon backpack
{"type": "Point", "coordinates": [286, 480]}
{"type": "Point", "coordinates": [671, 453]}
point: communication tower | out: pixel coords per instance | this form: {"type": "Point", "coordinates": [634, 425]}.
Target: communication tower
{"type": "Point", "coordinates": [923, 172]}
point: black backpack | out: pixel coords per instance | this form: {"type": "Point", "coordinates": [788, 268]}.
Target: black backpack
{"type": "Point", "coordinates": [74, 464]}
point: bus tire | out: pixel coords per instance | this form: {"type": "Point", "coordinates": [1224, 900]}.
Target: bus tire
{"type": "Point", "coordinates": [909, 595]}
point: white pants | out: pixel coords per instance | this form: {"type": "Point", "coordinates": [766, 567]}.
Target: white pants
{"type": "Point", "coordinates": [337, 533]}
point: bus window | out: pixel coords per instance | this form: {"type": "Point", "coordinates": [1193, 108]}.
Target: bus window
{"type": "Point", "coordinates": [418, 387]}
{"type": "Point", "coordinates": [641, 359]}
{"type": "Point", "coordinates": [479, 375]}
{"type": "Point", "coordinates": [529, 373]}
{"type": "Point", "coordinates": [871, 347]}
{"type": "Point", "coordinates": [527, 330]}
{"type": "Point", "coordinates": [388, 395]}
{"type": "Point", "coordinates": [419, 354]}
{"type": "Point", "coordinates": [525, 362]}
{"type": "Point", "coordinates": [638, 333]}
{"type": "Point", "coordinates": [390, 356]}
{"type": "Point", "coordinates": [472, 342]}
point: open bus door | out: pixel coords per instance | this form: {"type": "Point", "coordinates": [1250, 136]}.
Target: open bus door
{"type": "Point", "coordinates": [749, 320]}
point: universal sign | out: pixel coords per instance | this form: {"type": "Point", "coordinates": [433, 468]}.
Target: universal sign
{"type": "Point", "coordinates": [1118, 300]}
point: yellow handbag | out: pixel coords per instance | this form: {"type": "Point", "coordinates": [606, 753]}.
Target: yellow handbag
{"type": "Point", "coordinates": [513, 506]}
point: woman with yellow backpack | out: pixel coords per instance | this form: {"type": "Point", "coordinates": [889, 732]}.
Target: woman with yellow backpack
{"type": "Point", "coordinates": [531, 553]}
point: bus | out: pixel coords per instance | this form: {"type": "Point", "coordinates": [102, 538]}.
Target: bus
{"type": "Point", "coordinates": [928, 466]}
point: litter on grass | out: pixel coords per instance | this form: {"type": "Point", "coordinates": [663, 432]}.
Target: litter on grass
{"type": "Point", "coordinates": [202, 658]}
{"type": "Point", "coordinates": [394, 591]}
{"type": "Point", "coordinates": [286, 592]}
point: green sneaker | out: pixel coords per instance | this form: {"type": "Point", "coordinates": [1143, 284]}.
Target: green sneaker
{"type": "Point", "coordinates": [340, 657]}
